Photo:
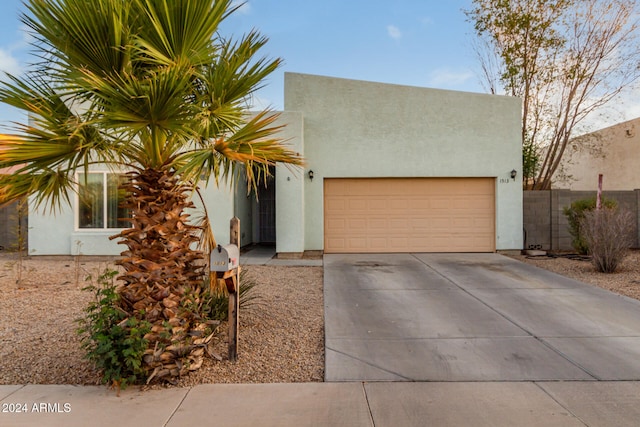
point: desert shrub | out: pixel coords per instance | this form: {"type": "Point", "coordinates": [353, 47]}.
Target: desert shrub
{"type": "Point", "coordinates": [216, 303]}
{"type": "Point", "coordinates": [575, 213]}
{"type": "Point", "coordinates": [112, 340]}
{"type": "Point", "coordinates": [608, 234]}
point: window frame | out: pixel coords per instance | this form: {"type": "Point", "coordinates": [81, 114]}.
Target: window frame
{"type": "Point", "coordinates": [79, 176]}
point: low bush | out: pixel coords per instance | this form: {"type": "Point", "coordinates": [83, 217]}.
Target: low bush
{"type": "Point", "coordinates": [608, 234]}
{"type": "Point", "coordinates": [115, 341]}
{"type": "Point", "coordinates": [216, 302]}
{"type": "Point", "coordinates": [575, 214]}
{"type": "Point", "coordinates": [112, 340]}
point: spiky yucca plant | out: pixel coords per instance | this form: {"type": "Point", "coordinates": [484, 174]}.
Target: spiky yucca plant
{"type": "Point", "coordinates": [149, 87]}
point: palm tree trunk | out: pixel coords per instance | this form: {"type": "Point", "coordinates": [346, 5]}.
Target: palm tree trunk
{"type": "Point", "coordinates": [163, 278]}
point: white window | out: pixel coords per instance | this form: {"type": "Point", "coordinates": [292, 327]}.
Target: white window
{"type": "Point", "coordinates": [99, 201]}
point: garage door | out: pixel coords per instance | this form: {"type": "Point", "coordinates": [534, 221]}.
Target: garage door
{"type": "Point", "coordinates": [409, 215]}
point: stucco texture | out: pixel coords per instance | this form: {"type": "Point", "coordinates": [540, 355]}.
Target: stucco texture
{"type": "Point", "coordinates": [363, 129]}
{"type": "Point", "coordinates": [352, 129]}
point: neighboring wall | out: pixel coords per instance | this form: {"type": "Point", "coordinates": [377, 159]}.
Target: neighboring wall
{"type": "Point", "coordinates": [613, 152]}
{"type": "Point", "coordinates": [545, 225]}
{"type": "Point", "coordinates": [11, 225]}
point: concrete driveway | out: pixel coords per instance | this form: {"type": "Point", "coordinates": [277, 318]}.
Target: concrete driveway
{"type": "Point", "coordinates": [471, 317]}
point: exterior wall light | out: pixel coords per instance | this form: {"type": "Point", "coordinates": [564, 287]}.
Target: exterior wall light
{"type": "Point", "coordinates": [514, 173]}
{"type": "Point", "coordinates": [310, 175]}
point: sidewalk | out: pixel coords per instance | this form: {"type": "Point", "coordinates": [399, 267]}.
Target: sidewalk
{"type": "Point", "coordinates": [478, 404]}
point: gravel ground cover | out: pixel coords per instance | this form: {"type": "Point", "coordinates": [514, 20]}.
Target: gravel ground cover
{"type": "Point", "coordinates": [625, 281]}
{"type": "Point", "coordinates": [281, 337]}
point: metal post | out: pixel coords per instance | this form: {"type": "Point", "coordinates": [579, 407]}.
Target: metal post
{"type": "Point", "coordinates": [599, 196]}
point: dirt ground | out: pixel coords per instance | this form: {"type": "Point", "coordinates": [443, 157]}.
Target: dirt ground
{"type": "Point", "coordinates": [625, 281]}
{"type": "Point", "coordinates": [281, 337]}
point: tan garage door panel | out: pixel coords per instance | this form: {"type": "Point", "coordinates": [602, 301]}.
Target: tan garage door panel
{"type": "Point", "coordinates": [409, 215]}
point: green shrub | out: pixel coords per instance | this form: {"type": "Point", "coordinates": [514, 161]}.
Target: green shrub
{"type": "Point", "coordinates": [575, 213]}
{"type": "Point", "coordinates": [608, 234]}
{"type": "Point", "coordinates": [530, 160]}
{"type": "Point", "coordinates": [112, 340]}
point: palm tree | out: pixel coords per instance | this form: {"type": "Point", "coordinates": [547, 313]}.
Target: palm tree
{"type": "Point", "coordinates": [152, 88]}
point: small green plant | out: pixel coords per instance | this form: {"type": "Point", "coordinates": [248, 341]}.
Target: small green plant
{"type": "Point", "coordinates": [530, 161]}
{"type": "Point", "coordinates": [112, 339]}
{"type": "Point", "coordinates": [575, 214]}
{"type": "Point", "coordinates": [216, 303]}
{"type": "Point", "coordinates": [609, 233]}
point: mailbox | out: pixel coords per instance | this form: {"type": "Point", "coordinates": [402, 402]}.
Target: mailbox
{"type": "Point", "coordinates": [224, 258]}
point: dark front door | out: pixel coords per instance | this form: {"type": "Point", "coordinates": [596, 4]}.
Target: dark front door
{"type": "Point", "coordinates": [267, 211]}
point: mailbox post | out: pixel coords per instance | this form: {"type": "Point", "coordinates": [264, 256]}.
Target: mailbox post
{"type": "Point", "coordinates": [225, 263]}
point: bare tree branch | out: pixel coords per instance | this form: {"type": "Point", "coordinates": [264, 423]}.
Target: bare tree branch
{"type": "Point", "coordinates": [566, 59]}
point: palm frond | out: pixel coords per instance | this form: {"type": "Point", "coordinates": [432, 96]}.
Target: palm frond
{"type": "Point", "coordinates": [144, 83]}
{"type": "Point", "coordinates": [50, 188]}
{"type": "Point", "coordinates": [207, 242]}
{"type": "Point", "coordinates": [55, 137]}
{"type": "Point", "coordinates": [256, 142]}
{"type": "Point", "coordinates": [133, 102]}
{"type": "Point", "coordinates": [227, 85]}
{"type": "Point", "coordinates": [80, 34]}
{"type": "Point", "coordinates": [151, 110]}
{"type": "Point", "coordinates": [17, 150]}
{"type": "Point", "coordinates": [254, 145]}
{"type": "Point", "coordinates": [236, 72]}
{"type": "Point", "coordinates": [180, 30]}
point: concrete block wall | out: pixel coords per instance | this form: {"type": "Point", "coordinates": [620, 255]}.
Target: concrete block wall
{"type": "Point", "coordinates": [536, 207]}
{"type": "Point", "coordinates": [560, 237]}
{"type": "Point", "coordinates": [545, 225]}
{"type": "Point", "coordinates": [10, 224]}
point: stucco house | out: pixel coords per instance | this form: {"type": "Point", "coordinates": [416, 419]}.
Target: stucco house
{"type": "Point", "coordinates": [612, 151]}
{"type": "Point", "coordinates": [389, 169]}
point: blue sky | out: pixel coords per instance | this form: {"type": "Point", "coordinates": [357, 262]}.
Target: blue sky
{"type": "Point", "coordinates": [409, 42]}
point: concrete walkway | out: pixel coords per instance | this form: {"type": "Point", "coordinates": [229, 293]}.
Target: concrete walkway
{"type": "Point", "coordinates": [266, 255]}
{"type": "Point", "coordinates": [411, 340]}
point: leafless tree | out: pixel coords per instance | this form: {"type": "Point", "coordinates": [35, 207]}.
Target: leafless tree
{"type": "Point", "coordinates": [566, 59]}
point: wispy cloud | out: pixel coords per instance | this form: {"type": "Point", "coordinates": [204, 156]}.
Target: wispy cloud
{"type": "Point", "coordinates": [394, 32]}
{"type": "Point", "coordinates": [13, 51]}
{"type": "Point", "coordinates": [9, 63]}
{"type": "Point", "coordinates": [622, 108]}
{"type": "Point", "coordinates": [446, 77]}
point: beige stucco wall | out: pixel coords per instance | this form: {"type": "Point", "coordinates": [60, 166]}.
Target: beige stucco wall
{"type": "Point", "coordinates": [613, 152]}
{"type": "Point", "coordinates": [290, 189]}
{"type": "Point", "coordinates": [56, 232]}
{"type": "Point", "coordinates": [365, 129]}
